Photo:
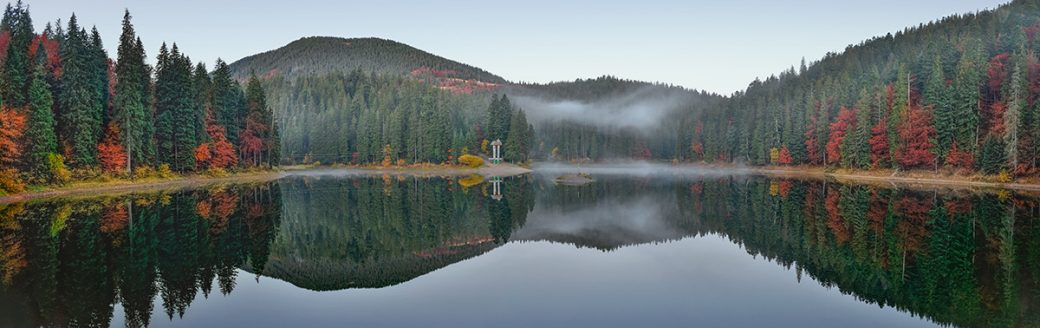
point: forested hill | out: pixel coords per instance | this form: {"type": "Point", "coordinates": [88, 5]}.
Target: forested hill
{"type": "Point", "coordinates": [959, 93]}
{"type": "Point", "coordinates": [313, 56]}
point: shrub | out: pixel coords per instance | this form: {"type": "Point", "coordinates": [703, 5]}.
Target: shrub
{"type": "Point", "coordinates": [164, 171]}
{"type": "Point", "coordinates": [471, 161]}
{"type": "Point", "coordinates": [143, 172]}
{"type": "Point", "coordinates": [10, 183]}
{"type": "Point", "coordinates": [59, 172]}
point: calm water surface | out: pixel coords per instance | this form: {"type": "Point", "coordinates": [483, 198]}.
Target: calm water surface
{"type": "Point", "coordinates": [630, 250]}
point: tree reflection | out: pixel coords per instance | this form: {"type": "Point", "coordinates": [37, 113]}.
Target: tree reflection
{"type": "Point", "coordinates": [66, 263]}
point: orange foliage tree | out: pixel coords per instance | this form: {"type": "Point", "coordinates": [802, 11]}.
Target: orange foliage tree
{"type": "Point", "coordinates": [111, 153]}
{"type": "Point", "coordinates": [218, 153]}
{"type": "Point", "coordinates": [12, 127]}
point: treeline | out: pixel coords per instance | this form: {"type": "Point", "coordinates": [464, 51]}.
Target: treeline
{"type": "Point", "coordinates": [366, 118]}
{"type": "Point", "coordinates": [960, 94]}
{"type": "Point", "coordinates": [66, 103]}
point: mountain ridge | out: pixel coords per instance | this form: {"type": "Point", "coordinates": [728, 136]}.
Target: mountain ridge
{"type": "Point", "coordinates": [319, 55]}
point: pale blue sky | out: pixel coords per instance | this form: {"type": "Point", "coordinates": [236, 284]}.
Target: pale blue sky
{"type": "Point", "coordinates": [718, 46]}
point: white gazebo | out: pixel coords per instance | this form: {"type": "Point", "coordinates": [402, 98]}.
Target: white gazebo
{"type": "Point", "coordinates": [496, 151]}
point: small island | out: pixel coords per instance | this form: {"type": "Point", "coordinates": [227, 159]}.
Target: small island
{"type": "Point", "coordinates": [574, 179]}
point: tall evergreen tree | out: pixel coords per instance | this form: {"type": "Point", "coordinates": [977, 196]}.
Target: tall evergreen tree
{"type": "Point", "coordinates": [176, 110]}
{"type": "Point", "coordinates": [17, 66]}
{"type": "Point", "coordinates": [936, 94]}
{"type": "Point", "coordinates": [225, 101]}
{"type": "Point", "coordinates": [79, 125]}
{"type": "Point", "coordinates": [131, 104]}
{"type": "Point", "coordinates": [40, 137]}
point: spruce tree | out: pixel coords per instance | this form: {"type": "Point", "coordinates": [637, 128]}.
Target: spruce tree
{"type": "Point", "coordinates": [130, 106]}
{"type": "Point", "coordinates": [966, 95]}
{"type": "Point", "coordinates": [17, 65]}
{"type": "Point", "coordinates": [225, 100]}
{"type": "Point", "coordinates": [39, 135]}
{"type": "Point", "coordinates": [79, 126]}
{"type": "Point", "coordinates": [936, 94]}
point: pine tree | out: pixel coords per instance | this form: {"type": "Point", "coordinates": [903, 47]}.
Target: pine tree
{"type": "Point", "coordinates": [40, 137]}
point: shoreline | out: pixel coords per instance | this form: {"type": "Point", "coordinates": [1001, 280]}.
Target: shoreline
{"type": "Point", "coordinates": [888, 178]}
{"type": "Point", "coordinates": [92, 189]}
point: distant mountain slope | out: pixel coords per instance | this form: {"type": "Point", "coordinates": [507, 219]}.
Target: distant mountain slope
{"type": "Point", "coordinates": [321, 55]}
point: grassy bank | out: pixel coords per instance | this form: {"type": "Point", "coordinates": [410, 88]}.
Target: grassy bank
{"type": "Point", "coordinates": [114, 184]}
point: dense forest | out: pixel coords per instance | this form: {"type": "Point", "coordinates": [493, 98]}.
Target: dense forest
{"type": "Point", "coordinates": [71, 112]}
{"type": "Point", "coordinates": [364, 118]}
{"type": "Point", "coordinates": [960, 93]}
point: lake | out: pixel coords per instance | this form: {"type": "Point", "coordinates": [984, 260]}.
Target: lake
{"type": "Point", "coordinates": [635, 248]}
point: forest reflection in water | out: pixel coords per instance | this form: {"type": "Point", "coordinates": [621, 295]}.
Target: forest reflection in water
{"type": "Point", "coordinates": [960, 258]}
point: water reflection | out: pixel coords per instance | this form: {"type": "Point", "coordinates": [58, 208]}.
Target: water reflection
{"type": "Point", "coordinates": [953, 258]}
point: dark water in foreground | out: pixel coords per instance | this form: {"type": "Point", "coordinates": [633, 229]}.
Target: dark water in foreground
{"type": "Point", "coordinates": [626, 251]}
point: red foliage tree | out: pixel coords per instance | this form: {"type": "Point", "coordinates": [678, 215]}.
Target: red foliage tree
{"type": "Point", "coordinates": [252, 144]}
{"type": "Point", "coordinates": [915, 136]}
{"type": "Point", "coordinates": [785, 156]}
{"type": "Point", "coordinates": [53, 53]}
{"type": "Point", "coordinates": [879, 143]}
{"type": "Point", "coordinates": [111, 153]}
{"type": "Point", "coordinates": [5, 42]}
{"type": "Point", "coordinates": [958, 158]}
{"type": "Point", "coordinates": [846, 119]}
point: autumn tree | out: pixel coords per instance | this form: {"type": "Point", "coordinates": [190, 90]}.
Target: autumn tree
{"type": "Point", "coordinates": [838, 130]}
{"type": "Point", "coordinates": [916, 135]}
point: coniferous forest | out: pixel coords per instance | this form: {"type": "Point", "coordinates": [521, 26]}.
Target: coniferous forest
{"type": "Point", "coordinates": [70, 111]}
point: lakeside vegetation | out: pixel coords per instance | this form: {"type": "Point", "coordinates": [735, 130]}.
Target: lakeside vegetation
{"type": "Point", "coordinates": [71, 113]}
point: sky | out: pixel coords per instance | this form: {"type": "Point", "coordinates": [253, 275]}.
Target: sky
{"type": "Point", "coordinates": [718, 46]}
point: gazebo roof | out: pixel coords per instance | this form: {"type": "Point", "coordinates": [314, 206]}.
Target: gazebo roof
{"type": "Point", "coordinates": [497, 142]}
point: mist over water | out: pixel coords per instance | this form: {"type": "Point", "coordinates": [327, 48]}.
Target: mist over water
{"type": "Point", "coordinates": [633, 169]}
{"type": "Point", "coordinates": [646, 109]}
